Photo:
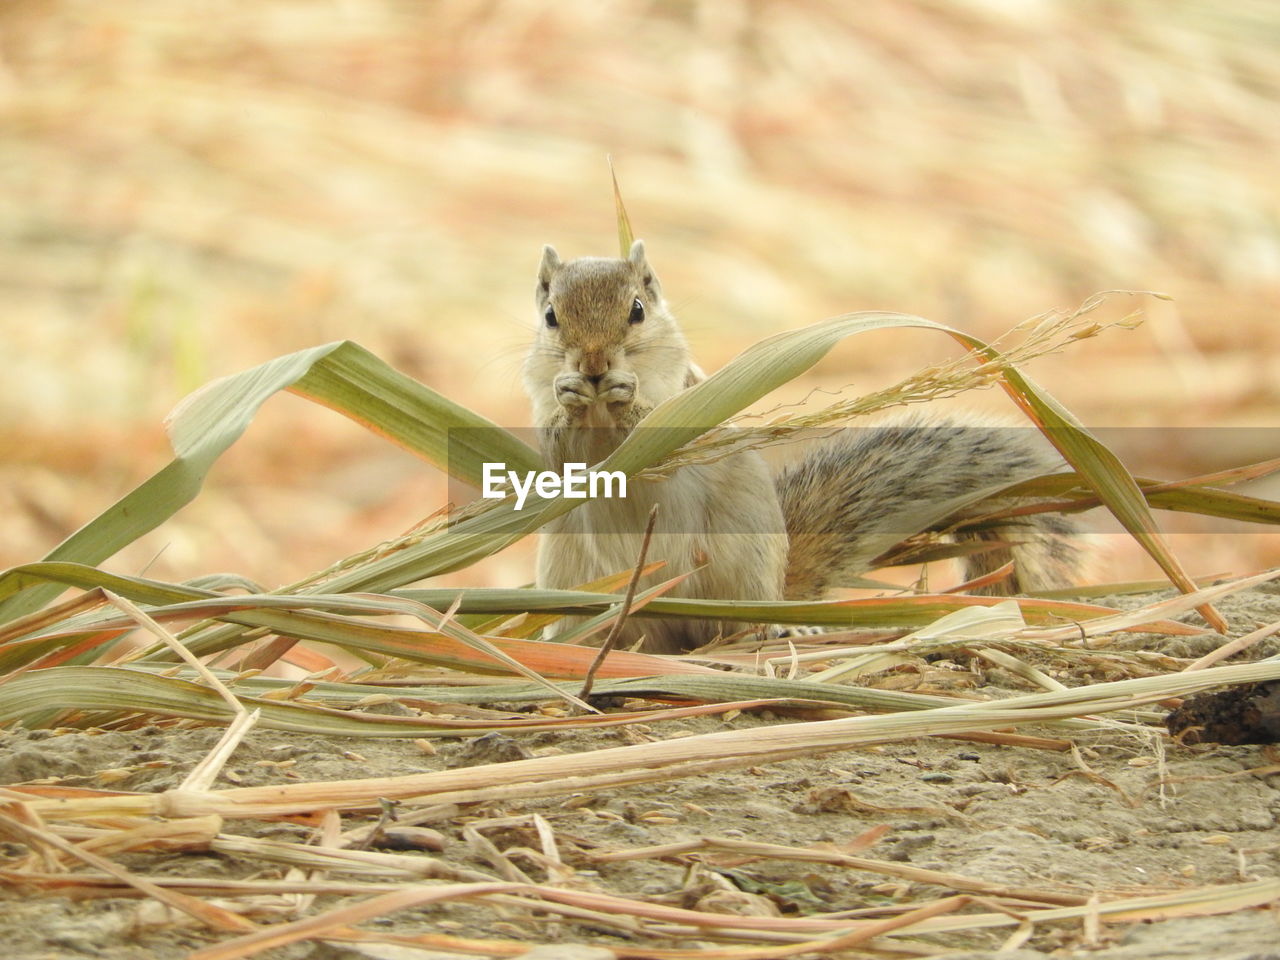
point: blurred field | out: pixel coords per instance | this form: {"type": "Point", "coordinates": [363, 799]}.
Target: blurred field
{"type": "Point", "coordinates": [190, 189]}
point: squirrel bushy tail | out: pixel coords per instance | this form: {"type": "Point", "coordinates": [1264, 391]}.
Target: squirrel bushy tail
{"type": "Point", "coordinates": [863, 491]}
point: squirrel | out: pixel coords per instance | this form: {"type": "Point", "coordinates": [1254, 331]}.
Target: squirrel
{"type": "Point", "coordinates": [608, 350]}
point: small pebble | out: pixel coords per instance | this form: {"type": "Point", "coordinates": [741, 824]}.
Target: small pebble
{"type": "Point", "coordinates": [410, 838]}
{"type": "Point", "coordinates": [491, 748]}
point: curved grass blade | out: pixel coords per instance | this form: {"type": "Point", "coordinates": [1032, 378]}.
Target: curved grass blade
{"type": "Point", "coordinates": [120, 691]}
{"type": "Point", "coordinates": [341, 375]}
{"type": "Point", "coordinates": [331, 707]}
{"type": "Point", "coordinates": [1093, 461]}
{"type": "Point", "coordinates": [323, 618]}
{"type": "Point", "coordinates": [359, 385]}
{"type": "Point", "coordinates": [1107, 477]}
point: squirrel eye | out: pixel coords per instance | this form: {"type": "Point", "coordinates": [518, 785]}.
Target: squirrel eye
{"type": "Point", "coordinates": [637, 311]}
{"type": "Point", "coordinates": [551, 317]}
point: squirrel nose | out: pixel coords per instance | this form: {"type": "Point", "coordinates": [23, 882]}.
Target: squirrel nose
{"type": "Point", "coordinates": [593, 367]}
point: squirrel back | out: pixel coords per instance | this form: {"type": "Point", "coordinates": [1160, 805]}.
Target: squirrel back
{"type": "Point", "coordinates": [608, 350]}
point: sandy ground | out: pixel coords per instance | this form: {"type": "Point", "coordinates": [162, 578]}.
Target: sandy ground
{"type": "Point", "coordinates": [1132, 814]}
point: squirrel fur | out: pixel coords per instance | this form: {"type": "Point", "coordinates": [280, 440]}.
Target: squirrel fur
{"type": "Point", "coordinates": [608, 350]}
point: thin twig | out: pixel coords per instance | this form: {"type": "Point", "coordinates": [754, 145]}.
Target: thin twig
{"type": "Point", "coordinates": [612, 639]}
{"type": "Point", "coordinates": [204, 773]}
{"type": "Point", "coordinates": [1231, 648]}
{"type": "Point", "coordinates": [143, 619]}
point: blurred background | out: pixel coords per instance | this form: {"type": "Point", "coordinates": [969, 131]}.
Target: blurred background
{"type": "Point", "coordinates": [189, 189]}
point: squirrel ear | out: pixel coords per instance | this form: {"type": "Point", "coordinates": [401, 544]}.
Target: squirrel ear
{"type": "Point", "coordinates": [641, 265]}
{"type": "Point", "coordinates": [550, 264]}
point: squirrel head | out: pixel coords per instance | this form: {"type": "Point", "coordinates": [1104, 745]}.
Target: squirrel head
{"type": "Point", "coordinates": [597, 314]}
{"type": "Point", "coordinates": [594, 309]}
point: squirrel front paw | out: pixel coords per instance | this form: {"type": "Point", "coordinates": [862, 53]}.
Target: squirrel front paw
{"type": "Point", "coordinates": [618, 387]}
{"type": "Point", "coordinates": [574, 391]}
